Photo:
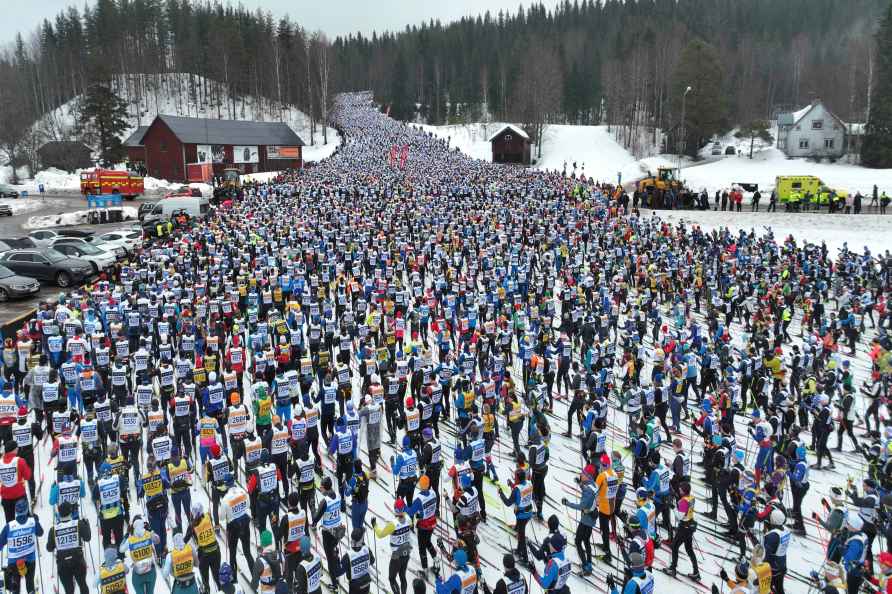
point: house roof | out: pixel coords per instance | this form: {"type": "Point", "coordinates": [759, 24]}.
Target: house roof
{"type": "Point", "coordinates": [506, 127]}
{"type": "Point", "coordinates": [793, 118]}
{"type": "Point", "coordinates": [135, 139]}
{"type": "Point", "coordinates": [68, 145]}
{"type": "Point", "coordinates": [211, 131]}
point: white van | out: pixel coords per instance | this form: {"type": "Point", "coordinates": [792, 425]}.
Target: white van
{"type": "Point", "coordinates": [193, 206]}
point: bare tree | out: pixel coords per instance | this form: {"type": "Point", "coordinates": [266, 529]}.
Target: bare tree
{"type": "Point", "coordinates": [323, 47]}
{"type": "Point", "coordinates": [538, 91]}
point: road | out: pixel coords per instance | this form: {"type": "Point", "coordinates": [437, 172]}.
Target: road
{"type": "Point", "coordinates": [12, 227]}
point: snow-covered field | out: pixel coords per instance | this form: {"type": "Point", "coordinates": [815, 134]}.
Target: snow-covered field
{"type": "Point", "coordinates": [603, 157]}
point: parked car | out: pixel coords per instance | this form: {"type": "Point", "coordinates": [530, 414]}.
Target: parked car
{"type": "Point", "coordinates": [100, 259]}
{"type": "Point", "coordinates": [184, 191]}
{"type": "Point", "coordinates": [130, 239]}
{"type": "Point", "coordinates": [19, 243]}
{"type": "Point", "coordinates": [15, 285]}
{"type": "Point", "coordinates": [47, 264]}
{"type": "Point", "coordinates": [5, 210]}
{"type": "Point", "coordinates": [118, 251]}
{"type": "Point", "coordinates": [45, 237]}
{"type": "Point", "coordinates": [7, 192]}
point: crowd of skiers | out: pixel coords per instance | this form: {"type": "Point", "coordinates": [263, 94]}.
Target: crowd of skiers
{"type": "Point", "coordinates": [456, 336]}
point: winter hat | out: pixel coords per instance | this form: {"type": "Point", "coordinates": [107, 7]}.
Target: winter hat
{"type": "Point", "coordinates": [424, 482]}
{"type": "Point", "coordinates": [10, 446]}
{"type": "Point", "coordinates": [111, 556]}
{"type": "Point", "coordinates": [266, 538]}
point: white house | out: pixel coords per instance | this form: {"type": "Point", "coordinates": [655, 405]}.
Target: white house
{"type": "Point", "coordinates": [813, 131]}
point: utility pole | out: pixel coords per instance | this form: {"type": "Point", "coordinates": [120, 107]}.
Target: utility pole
{"type": "Point", "coordinates": [684, 128]}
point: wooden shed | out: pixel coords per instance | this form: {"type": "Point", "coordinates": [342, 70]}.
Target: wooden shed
{"type": "Point", "coordinates": [510, 144]}
{"type": "Point", "coordinates": [65, 154]}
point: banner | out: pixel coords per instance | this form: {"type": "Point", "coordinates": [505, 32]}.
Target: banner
{"type": "Point", "coordinates": [282, 152]}
{"type": "Point", "coordinates": [245, 154]}
{"type": "Point", "coordinates": [210, 153]}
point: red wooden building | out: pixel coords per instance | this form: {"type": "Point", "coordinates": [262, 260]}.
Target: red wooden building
{"type": "Point", "coordinates": [510, 145]}
{"type": "Point", "coordinates": [136, 151]}
{"type": "Point", "coordinates": [172, 142]}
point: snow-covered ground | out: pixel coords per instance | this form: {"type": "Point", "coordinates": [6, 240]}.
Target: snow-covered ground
{"type": "Point", "coordinates": [22, 206]}
{"type": "Point", "coordinates": [766, 165]}
{"type": "Point", "coordinates": [603, 158]}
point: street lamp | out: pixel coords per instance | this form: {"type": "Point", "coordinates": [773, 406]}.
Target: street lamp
{"type": "Point", "coordinates": [684, 128]}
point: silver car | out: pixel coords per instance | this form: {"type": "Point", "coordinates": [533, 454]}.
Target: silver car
{"type": "Point", "coordinates": [13, 285]}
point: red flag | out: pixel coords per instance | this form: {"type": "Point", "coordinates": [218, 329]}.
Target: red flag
{"type": "Point", "coordinates": [404, 156]}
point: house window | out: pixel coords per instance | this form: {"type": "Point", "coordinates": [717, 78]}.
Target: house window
{"type": "Point", "coordinates": [162, 146]}
{"type": "Point", "coordinates": [828, 143]}
{"type": "Point", "coordinates": [803, 143]}
{"type": "Point", "coordinates": [817, 124]}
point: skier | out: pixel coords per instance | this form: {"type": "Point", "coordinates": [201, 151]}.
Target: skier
{"type": "Point", "coordinates": [180, 564]}
{"type": "Point", "coordinates": [399, 531]}
{"type": "Point", "coordinates": [267, 570]}
{"type": "Point", "coordinates": [557, 568]}
{"type": "Point", "coordinates": [356, 564]}
{"type": "Point", "coordinates": [405, 466]}
{"type": "Point", "coordinates": [641, 582]}
{"type": "Point", "coordinates": [292, 528]}
{"type": "Point", "coordinates": [588, 503]}
{"type": "Point", "coordinates": [19, 538]}
{"type": "Point", "coordinates": [139, 543]}
{"type": "Point", "coordinates": [107, 497]}
{"type": "Point", "coordinates": [202, 530]}
{"type": "Point", "coordinates": [329, 513]}
{"type": "Point", "coordinates": [775, 542]}
{"type": "Point", "coordinates": [308, 579]}
{"type": "Point", "coordinates": [463, 581]}
{"type": "Point", "coordinates": [66, 539]}
{"type": "Point", "coordinates": [14, 473]}
{"type": "Point", "coordinates": [684, 532]}
{"type": "Point", "coordinates": [424, 510]}
{"type": "Point", "coordinates": [511, 582]}
{"type": "Point", "coordinates": [234, 515]}
{"type": "Point", "coordinates": [112, 577]}
{"type": "Point", "coordinates": [152, 488]}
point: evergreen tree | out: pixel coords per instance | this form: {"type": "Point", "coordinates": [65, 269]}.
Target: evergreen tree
{"type": "Point", "coordinates": [401, 107]}
{"type": "Point", "coordinates": [104, 114]}
{"type": "Point", "coordinates": [700, 68]}
{"type": "Point", "coordinates": [753, 130]}
{"type": "Point", "coordinates": [876, 150]}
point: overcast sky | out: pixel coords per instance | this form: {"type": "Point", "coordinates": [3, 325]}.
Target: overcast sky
{"type": "Point", "coordinates": [335, 17]}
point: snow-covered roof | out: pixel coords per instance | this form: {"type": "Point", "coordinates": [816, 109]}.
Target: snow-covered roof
{"type": "Point", "coordinates": [508, 127]}
{"type": "Point", "coordinates": [798, 115]}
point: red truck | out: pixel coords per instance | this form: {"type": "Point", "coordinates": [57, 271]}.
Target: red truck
{"type": "Point", "coordinates": [105, 182]}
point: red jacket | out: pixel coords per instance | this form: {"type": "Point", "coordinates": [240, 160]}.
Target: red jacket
{"type": "Point", "coordinates": [24, 474]}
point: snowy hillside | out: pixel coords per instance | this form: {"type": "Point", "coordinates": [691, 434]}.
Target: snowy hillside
{"type": "Point", "coordinates": [603, 158]}
{"type": "Point", "coordinates": [192, 96]}
{"type": "Point", "coordinates": [172, 94]}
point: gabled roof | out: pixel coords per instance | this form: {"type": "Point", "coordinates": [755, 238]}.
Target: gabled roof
{"type": "Point", "coordinates": [211, 131]}
{"type": "Point", "coordinates": [135, 139]}
{"type": "Point", "coordinates": [793, 118]}
{"type": "Point", "coordinates": [67, 145]}
{"type": "Point", "coordinates": [514, 129]}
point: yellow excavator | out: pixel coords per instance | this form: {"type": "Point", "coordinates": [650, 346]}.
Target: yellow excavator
{"type": "Point", "coordinates": [666, 178]}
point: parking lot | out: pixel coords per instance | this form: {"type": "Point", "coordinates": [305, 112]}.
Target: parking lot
{"type": "Point", "coordinates": [12, 227]}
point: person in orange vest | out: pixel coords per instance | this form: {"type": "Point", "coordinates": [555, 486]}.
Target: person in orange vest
{"type": "Point", "coordinates": [14, 473]}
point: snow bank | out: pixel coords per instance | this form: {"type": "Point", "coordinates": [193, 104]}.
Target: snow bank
{"type": "Point", "coordinates": [78, 217]}
{"type": "Point", "coordinates": [22, 206]}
